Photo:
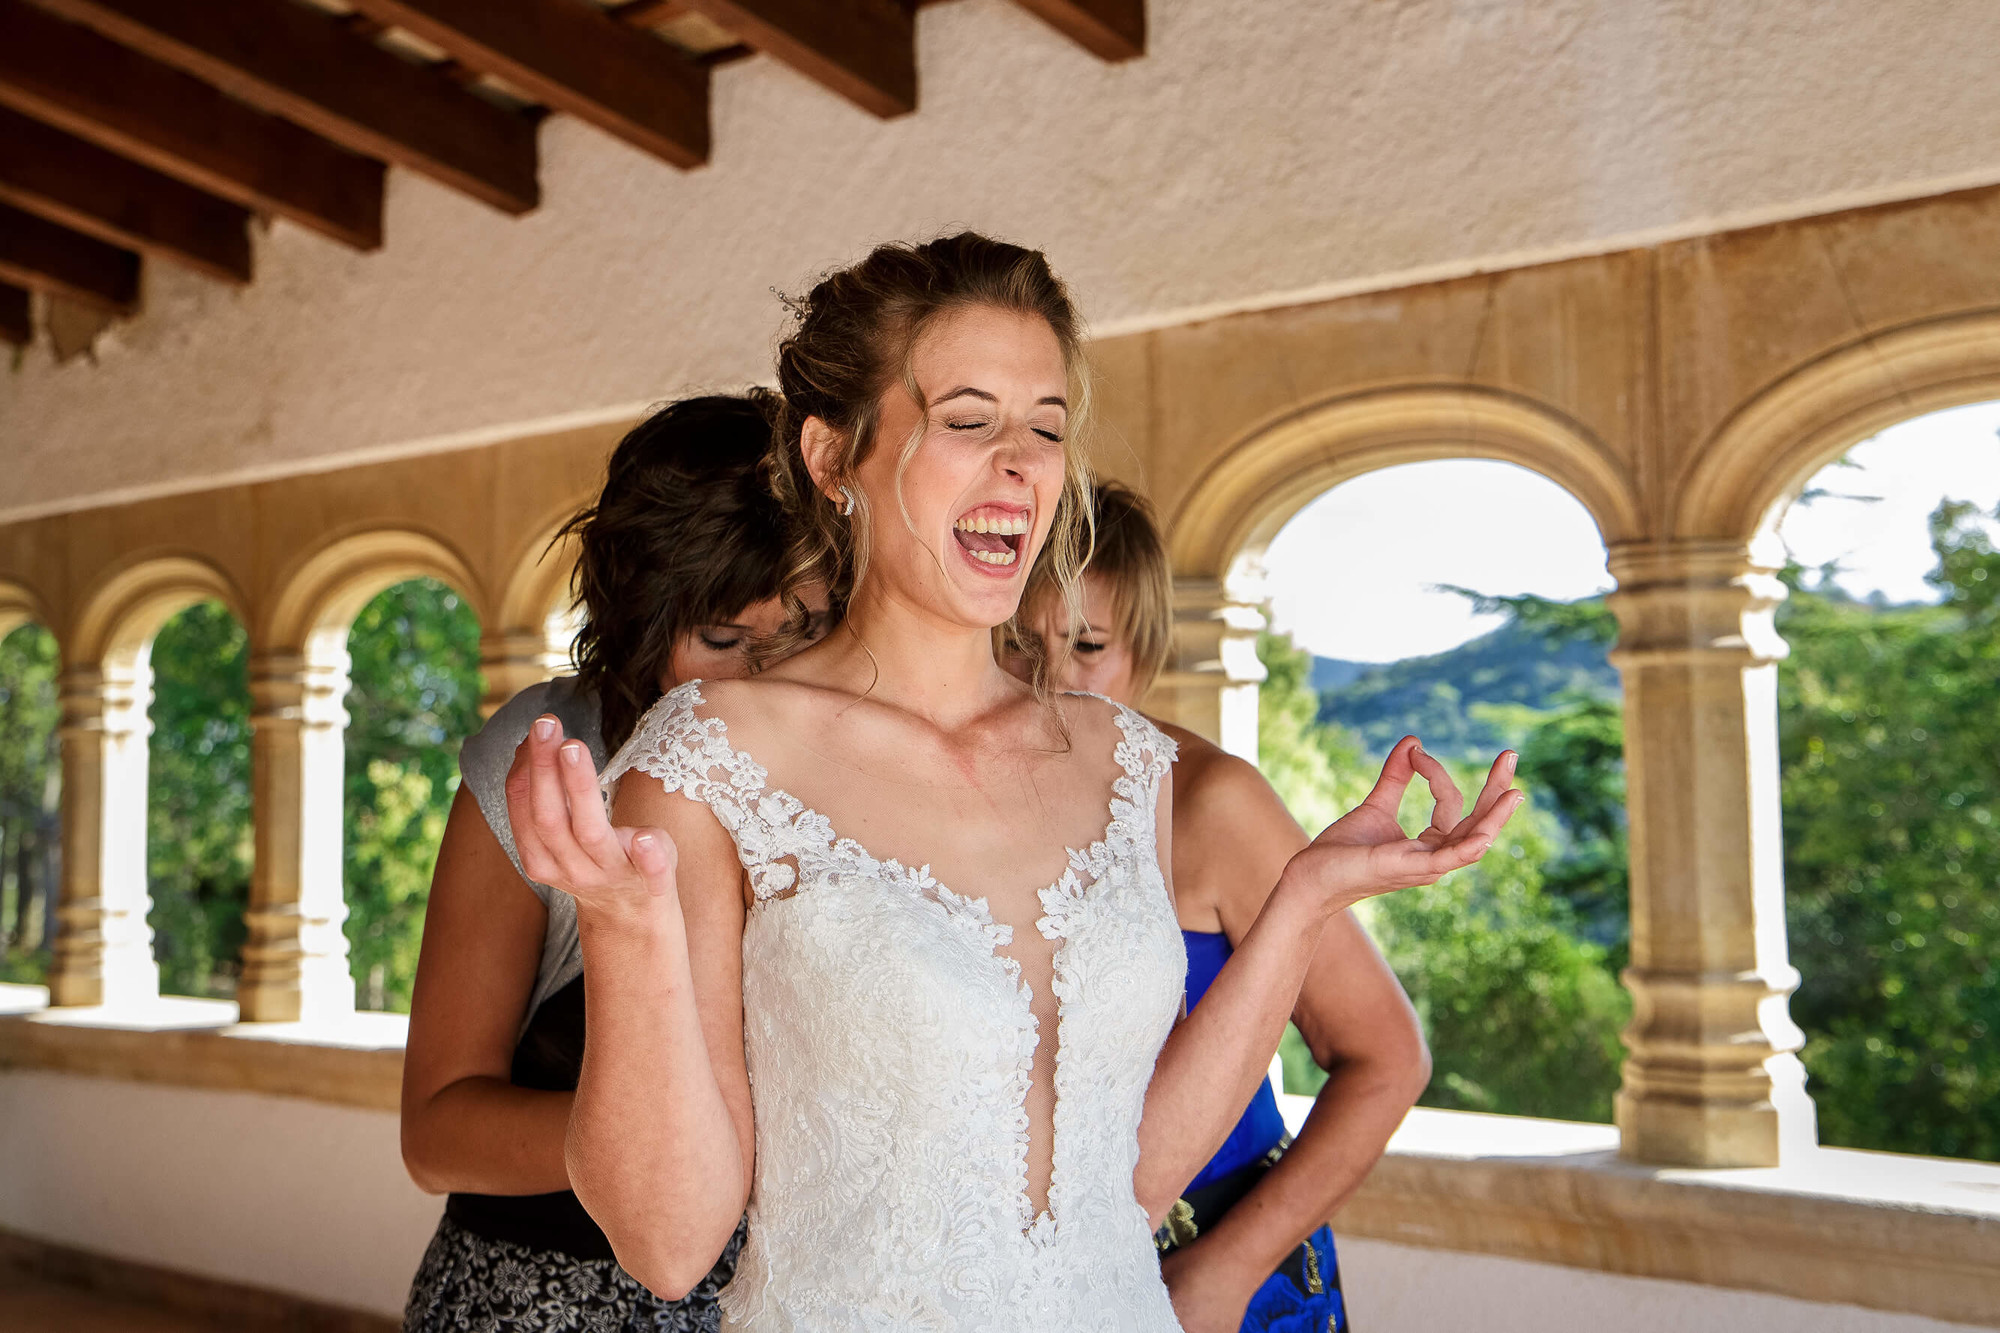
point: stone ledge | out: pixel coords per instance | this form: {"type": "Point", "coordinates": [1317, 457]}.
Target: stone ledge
{"type": "Point", "coordinates": [1914, 1235]}
{"type": "Point", "coordinates": [355, 1061]}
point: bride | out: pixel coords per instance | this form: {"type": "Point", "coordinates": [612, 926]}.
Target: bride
{"type": "Point", "coordinates": [881, 942]}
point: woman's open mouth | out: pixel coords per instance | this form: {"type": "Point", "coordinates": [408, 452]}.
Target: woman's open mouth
{"type": "Point", "coordinates": [992, 536]}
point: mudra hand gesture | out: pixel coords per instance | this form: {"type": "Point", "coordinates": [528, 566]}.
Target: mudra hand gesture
{"type": "Point", "coordinates": [565, 839]}
{"type": "Point", "coordinates": [1365, 852]}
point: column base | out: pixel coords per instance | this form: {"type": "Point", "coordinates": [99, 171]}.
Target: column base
{"type": "Point", "coordinates": [1662, 1128]}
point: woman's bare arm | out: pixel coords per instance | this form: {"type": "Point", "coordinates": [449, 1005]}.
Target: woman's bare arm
{"type": "Point", "coordinates": [1237, 836]}
{"type": "Point", "coordinates": [660, 1139]}
{"type": "Point", "coordinates": [465, 1125]}
{"type": "Point", "coordinates": [1212, 1063]}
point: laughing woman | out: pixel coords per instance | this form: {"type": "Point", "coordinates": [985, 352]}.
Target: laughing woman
{"type": "Point", "coordinates": [923, 909]}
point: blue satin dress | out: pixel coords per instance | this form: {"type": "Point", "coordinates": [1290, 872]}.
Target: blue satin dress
{"type": "Point", "coordinates": [1306, 1300]}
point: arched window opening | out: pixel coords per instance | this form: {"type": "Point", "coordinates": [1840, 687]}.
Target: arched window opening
{"type": "Point", "coordinates": [1889, 730]}
{"type": "Point", "coordinates": [30, 802]}
{"type": "Point", "coordinates": [198, 829]}
{"type": "Point", "coordinates": [1462, 601]}
{"type": "Point", "coordinates": [414, 698]}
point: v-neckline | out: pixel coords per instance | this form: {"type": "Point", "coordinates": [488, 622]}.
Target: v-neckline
{"type": "Point", "coordinates": [1039, 1227]}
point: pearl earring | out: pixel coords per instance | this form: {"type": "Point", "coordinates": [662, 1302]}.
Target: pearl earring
{"type": "Point", "coordinates": [848, 508]}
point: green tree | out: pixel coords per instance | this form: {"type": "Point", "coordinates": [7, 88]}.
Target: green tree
{"type": "Point", "coordinates": [198, 832]}
{"type": "Point", "coordinates": [1892, 859]}
{"type": "Point", "coordinates": [415, 698]}
{"type": "Point", "coordinates": [30, 795]}
{"type": "Point", "coordinates": [1521, 1012]}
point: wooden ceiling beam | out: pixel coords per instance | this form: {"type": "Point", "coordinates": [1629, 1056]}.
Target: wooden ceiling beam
{"type": "Point", "coordinates": [317, 72]}
{"type": "Point", "coordinates": [38, 254]}
{"type": "Point", "coordinates": [81, 186]}
{"type": "Point", "coordinates": [16, 326]}
{"type": "Point", "coordinates": [648, 13]}
{"type": "Point", "coordinates": [864, 50]}
{"type": "Point", "coordinates": [76, 80]}
{"type": "Point", "coordinates": [1108, 29]}
{"type": "Point", "coordinates": [574, 58]}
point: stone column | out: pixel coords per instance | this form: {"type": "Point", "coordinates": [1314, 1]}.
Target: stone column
{"type": "Point", "coordinates": [295, 956]}
{"type": "Point", "coordinates": [511, 661]}
{"type": "Point", "coordinates": [1712, 1078]}
{"type": "Point", "coordinates": [1210, 682]}
{"type": "Point", "coordinates": [103, 946]}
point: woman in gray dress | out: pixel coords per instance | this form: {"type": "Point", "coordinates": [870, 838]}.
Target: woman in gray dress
{"type": "Point", "coordinates": [678, 576]}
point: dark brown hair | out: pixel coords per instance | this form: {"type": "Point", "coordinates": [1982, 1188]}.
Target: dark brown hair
{"type": "Point", "coordinates": [686, 533]}
{"type": "Point", "coordinates": [852, 342]}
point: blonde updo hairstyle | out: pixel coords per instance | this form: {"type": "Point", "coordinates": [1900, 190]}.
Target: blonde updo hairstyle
{"type": "Point", "coordinates": [855, 333]}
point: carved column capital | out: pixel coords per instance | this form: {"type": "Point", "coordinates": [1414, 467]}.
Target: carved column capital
{"type": "Point", "coordinates": [1210, 682]}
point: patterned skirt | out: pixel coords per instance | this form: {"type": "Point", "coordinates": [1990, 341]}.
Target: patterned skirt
{"type": "Point", "coordinates": [470, 1284]}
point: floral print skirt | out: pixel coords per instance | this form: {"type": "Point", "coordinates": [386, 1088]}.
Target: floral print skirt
{"type": "Point", "coordinates": [470, 1284]}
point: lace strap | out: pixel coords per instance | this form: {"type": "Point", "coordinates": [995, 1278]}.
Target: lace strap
{"type": "Point", "coordinates": [1145, 752]}
{"type": "Point", "coordinates": [691, 754]}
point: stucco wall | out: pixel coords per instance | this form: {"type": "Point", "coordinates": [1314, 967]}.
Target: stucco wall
{"type": "Point", "coordinates": [1263, 151]}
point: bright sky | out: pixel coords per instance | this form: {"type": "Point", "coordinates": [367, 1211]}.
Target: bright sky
{"type": "Point", "coordinates": [1352, 575]}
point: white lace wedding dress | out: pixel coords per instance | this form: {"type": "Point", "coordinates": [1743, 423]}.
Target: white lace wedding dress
{"type": "Point", "coordinates": [890, 1049]}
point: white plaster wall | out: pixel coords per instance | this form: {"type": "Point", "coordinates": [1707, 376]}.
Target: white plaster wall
{"type": "Point", "coordinates": [1398, 1289]}
{"type": "Point", "coordinates": [271, 1192]}
{"type": "Point", "coordinates": [1262, 151]}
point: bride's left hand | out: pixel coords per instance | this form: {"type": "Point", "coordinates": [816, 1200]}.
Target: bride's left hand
{"type": "Point", "coordinates": [1365, 853]}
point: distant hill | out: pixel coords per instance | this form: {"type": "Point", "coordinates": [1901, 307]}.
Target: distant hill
{"type": "Point", "coordinates": [1467, 701]}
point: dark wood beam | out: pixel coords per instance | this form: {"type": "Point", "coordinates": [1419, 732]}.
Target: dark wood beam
{"type": "Point", "coordinates": [1108, 29]}
{"type": "Point", "coordinates": [575, 58]}
{"type": "Point", "coordinates": [36, 253]}
{"type": "Point", "coordinates": [69, 77]}
{"type": "Point", "coordinates": [648, 13]}
{"type": "Point", "coordinates": [15, 325]}
{"type": "Point", "coordinates": [313, 70]}
{"type": "Point", "coordinates": [70, 181]}
{"type": "Point", "coordinates": [865, 50]}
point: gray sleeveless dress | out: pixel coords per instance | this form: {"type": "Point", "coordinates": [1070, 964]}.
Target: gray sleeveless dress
{"type": "Point", "coordinates": [483, 764]}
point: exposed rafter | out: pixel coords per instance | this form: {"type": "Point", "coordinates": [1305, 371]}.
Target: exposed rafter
{"type": "Point", "coordinates": [865, 50]}
{"type": "Point", "coordinates": [88, 189]}
{"type": "Point", "coordinates": [1108, 29]}
{"type": "Point", "coordinates": [314, 70]}
{"type": "Point", "coordinates": [15, 325]}
{"type": "Point", "coordinates": [575, 58]}
{"type": "Point", "coordinates": [36, 253]}
{"type": "Point", "coordinates": [72, 78]}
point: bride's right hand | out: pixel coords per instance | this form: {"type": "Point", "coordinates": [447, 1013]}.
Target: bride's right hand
{"type": "Point", "coordinates": [565, 838]}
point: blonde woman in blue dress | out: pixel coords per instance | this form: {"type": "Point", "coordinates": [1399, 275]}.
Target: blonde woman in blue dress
{"type": "Point", "coordinates": [881, 942]}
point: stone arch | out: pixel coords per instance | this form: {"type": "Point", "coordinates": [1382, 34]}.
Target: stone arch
{"type": "Point", "coordinates": [530, 639]}
{"type": "Point", "coordinates": [19, 606]}
{"type": "Point", "coordinates": [1754, 465]}
{"type": "Point", "coordinates": [104, 948]}
{"type": "Point", "coordinates": [295, 955]}
{"type": "Point", "coordinates": [317, 602]}
{"type": "Point", "coordinates": [1248, 493]}
{"type": "Point", "coordinates": [1221, 528]}
{"type": "Point", "coordinates": [126, 609]}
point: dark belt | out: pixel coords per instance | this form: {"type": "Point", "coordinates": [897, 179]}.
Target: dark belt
{"type": "Point", "coordinates": [1199, 1209]}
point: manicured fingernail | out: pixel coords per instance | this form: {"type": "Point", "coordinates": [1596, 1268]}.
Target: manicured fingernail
{"type": "Point", "coordinates": [545, 727]}
{"type": "Point", "coordinates": [572, 753]}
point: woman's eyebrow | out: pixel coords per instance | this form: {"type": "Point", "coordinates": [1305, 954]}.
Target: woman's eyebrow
{"type": "Point", "coordinates": [966, 391]}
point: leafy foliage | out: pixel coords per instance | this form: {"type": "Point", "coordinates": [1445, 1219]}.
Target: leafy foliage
{"type": "Point", "coordinates": [1892, 858]}
{"type": "Point", "coordinates": [1521, 1010]}
{"type": "Point", "coordinates": [414, 700]}
{"type": "Point", "coordinates": [30, 795]}
{"type": "Point", "coordinates": [198, 832]}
